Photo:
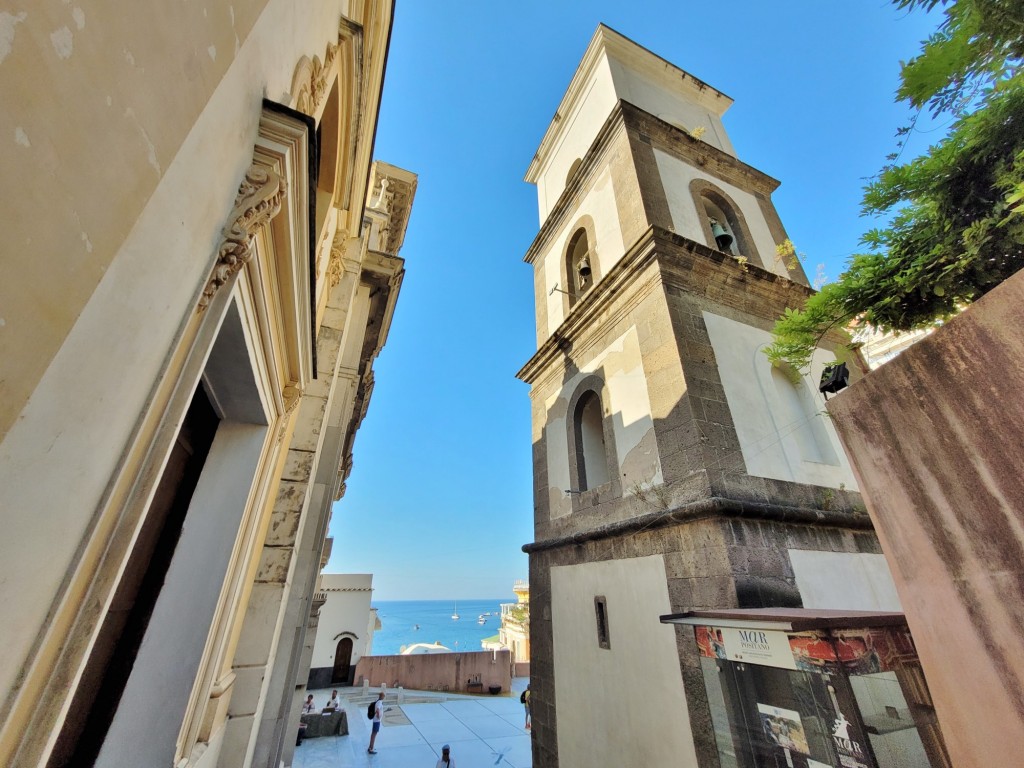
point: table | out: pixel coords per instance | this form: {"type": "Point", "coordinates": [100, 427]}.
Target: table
{"type": "Point", "coordinates": [328, 724]}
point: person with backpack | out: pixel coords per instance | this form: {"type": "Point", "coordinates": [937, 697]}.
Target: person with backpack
{"type": "Point", "coordinates": [446, 758]}
{"type": "Point", "coordinates": [524, 699]}
{"type": "Point", "coordinates": [376, 713]}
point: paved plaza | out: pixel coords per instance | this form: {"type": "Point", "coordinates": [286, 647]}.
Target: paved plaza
{"type": "Point", "coordinates": [481, 730]}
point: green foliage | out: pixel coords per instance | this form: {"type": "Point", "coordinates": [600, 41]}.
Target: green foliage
{"type": "Point", "coordinates": [956, 227]}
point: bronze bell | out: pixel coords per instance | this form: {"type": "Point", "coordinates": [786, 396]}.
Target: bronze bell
{"type": "Point", "coordinates": [722, 237]}
{"type": "Point", "coordinates": [583, 268]}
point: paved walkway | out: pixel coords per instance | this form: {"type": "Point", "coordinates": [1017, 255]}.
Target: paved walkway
{"type": "Point", "coordinates": [482, 731]}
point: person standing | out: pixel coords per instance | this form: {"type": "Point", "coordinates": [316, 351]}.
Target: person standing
{"type": "Point", "coordinates": [378, 715]}
{"type": "Point", "coordinates": [525, 699]}
{"type": "Point", "coordinates": [446, 758]}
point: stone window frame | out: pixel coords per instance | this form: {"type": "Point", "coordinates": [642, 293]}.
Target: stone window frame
{"type": "Point", "coordinates": [702, 189]}
{"type": "Point", "coordinates": [582, 498]}
{"type": "Point", "coordinates": [584, 223]}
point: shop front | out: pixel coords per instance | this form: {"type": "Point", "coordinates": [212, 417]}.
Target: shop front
{"type": "Point", "coordinates": [799, 688]}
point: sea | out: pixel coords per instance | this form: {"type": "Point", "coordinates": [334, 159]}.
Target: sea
{"type": "Point", "coordinates": [400, 618]}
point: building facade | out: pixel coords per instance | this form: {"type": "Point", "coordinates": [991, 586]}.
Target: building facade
{"type": "Point", "coordinates": [674, 467]}
{"type": "Point", "coordinates": [345, 627]}
{"type": "Point", "coordinates": [515, 624]}
{"type": "Point", "coordinates": [200, 266]}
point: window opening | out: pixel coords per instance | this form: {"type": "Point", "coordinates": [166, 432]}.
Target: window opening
{"type": "Point", "coordinates": [601, 613]}
{"type": "Point", "coordinates": [591, 452]}
{"type": "Point", "coordinates": [721, 228]}
{"type": "Point", "coordinates": [579, 271]}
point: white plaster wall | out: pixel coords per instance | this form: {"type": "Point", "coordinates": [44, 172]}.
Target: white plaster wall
{"type": "Point", "coordinates": [344, 612]}
{"type": "Point", "coordinates": [640, 90]}
{"type": "Point", "coordinates": [629, 403]}
{"type": "Point", "coordinates": [581, 126]}
{"type": "Point", "coordinates": [58, 457]}
{"type": "Point", "coordinates": [853, 581]}
{"type": "Point", "coordinates": [676, 176]}
{"type": "Point", "coordinates": [624, 705]}
{"type": "Point", "coordinates": [768, 439]}
{"type": "Point", "coordinates": [606, 249]}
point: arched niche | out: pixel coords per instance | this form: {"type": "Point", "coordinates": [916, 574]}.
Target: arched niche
{"type": "Point", "coordinates": [572, 170]}
{"type": "Point", "coordinates": [580, 245]}
{"type": "Point", "coordinates": [712, 203]}
{"type": "Point", "coordinates": [593, 462]}
{"type": "Point", "coordinates": [801, 417]}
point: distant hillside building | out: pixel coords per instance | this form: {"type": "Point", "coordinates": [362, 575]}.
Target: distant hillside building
{"type": "Point", "coordinates": [514, 633]}
{"type": "Point", "coordinates": [879, 347]}
{"type": "Point", "coordinates": [344, 630]}
{"type": "Point", "coordinates": [674, 467]}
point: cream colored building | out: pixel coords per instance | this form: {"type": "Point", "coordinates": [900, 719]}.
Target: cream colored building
{"type": "Point", "coordinates": [515, 624]}
{"type": "Point", "coordinates": [345, 627]}
{"type": "Point", "coordinates": [674, 467]}
{"type": "Point", "coordinates": [199, 267]}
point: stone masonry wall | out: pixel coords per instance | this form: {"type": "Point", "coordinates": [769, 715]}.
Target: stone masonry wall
{"type": "Point", "coordinates": [439, 671]}
{"type": "Point", "coordinates": [709, 563]}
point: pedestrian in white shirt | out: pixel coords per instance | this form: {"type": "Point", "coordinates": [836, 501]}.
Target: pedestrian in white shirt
{"type": "Point", "coordinates": [446, 758]}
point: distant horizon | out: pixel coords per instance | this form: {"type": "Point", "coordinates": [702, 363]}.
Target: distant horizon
{"type": "Point", "coordinates": [436, 599]}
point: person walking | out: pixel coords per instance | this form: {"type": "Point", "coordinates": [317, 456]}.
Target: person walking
{"type": "Point", "coordinates": [378, 715]}
{"type": "Point", "coordinates": [525, 700]}
{"type": "Point", "coordinates": [446, 758]}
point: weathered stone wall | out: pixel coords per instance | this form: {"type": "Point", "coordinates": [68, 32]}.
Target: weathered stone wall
{"type": "Point", "coordinates": [935, 436]}
{"type": "Point", "coordinates": [439, 671]}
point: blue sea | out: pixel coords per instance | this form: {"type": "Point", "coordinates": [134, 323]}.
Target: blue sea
{"type": "Point", "coordinates": [399, 619]}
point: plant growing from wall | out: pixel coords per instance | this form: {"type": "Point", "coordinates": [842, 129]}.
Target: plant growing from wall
{"type": "Point", "coordinates": [957, 212]}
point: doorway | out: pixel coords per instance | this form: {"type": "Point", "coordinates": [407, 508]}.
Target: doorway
{"type": "Point", "coordinates": [343, 662]}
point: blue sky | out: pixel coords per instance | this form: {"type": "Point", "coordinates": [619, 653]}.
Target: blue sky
{"type": "Point", "coordinates": [440, 499]}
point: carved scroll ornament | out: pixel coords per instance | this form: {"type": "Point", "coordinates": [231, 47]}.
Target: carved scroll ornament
{"type": "Point", "coordinates": [259, 199]}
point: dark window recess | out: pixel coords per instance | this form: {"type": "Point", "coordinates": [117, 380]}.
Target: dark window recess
{"type": "Point", "coordinates": [601, 611]}
{"type": "Point", "coordinates": [124, 626]}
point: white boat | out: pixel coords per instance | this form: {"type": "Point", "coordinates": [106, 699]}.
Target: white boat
{"type": "Point", "coordinates": [455, 613]}
{"type": "Point", "coordinates": [481, 620]}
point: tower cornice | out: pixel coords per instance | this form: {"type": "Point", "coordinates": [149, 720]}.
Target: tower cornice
{"type": "Point", "coordinates": [680, 261]}
{"type": "Point", "coordinates": [663, 135]}
{"type": "Point", "coordinates": [607, 41]}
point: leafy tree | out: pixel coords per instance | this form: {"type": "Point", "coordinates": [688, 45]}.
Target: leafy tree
{"type": "Point", "coordinates": [957, 213]}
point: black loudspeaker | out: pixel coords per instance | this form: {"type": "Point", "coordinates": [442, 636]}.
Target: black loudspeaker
{"type": "Point", "coordinates": [834, 378]}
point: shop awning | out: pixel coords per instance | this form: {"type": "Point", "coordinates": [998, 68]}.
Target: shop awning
{"type": "Point", "coordinates": [787, 619]}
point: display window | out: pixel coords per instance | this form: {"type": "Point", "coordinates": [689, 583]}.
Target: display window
{"type": "Point", "coordinates": [831, 698]}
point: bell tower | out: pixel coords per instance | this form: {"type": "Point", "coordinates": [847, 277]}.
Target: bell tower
{"type": "Point", "coordinates": [674, 467]}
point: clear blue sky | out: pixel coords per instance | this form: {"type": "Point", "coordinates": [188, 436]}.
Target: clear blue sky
{"type": "Point", "coordinates": [440, 500]}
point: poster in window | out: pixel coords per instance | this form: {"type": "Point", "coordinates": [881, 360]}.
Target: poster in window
{"type": "Point", "coordinates": [784, 728]}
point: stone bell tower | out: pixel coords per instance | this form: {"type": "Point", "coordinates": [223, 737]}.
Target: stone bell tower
{"type": "Point", "coordinates": [674, 467]}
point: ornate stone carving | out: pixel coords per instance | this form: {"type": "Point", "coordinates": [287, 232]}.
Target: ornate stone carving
{"type": "Point", "coordinates": [259, 199]}
{"type": "Point", "coordinates": [335, 268]}
{"type": "Point", "coordinates": [382, 198]}
{"type": "Point", "coordinates": [291, 394]}
{"type": "Point", "coordinates": [311, 80]}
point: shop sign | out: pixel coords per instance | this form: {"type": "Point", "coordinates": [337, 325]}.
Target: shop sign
{"type": "Point", "coordinates": [752, 646]}
{"type": "Point", "coordinates": [851, 753]}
